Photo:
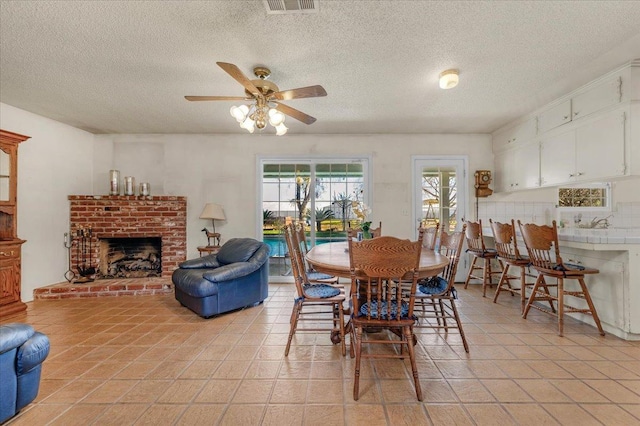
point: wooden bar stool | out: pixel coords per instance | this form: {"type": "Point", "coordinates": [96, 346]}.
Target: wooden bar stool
{"type": "Point", "coordinates": [504, 235]}
{"type": "Point", "coordinates": [475, 246]}
{"type": "Point", "coordinates": [544, 252]}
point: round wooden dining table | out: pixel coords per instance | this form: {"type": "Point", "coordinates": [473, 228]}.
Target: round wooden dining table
{"type": "Point", "coordinates": [333, 259]}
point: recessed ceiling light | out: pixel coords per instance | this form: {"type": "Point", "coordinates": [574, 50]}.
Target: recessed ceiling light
{"type": "Point", "coordinates": [448, 79]}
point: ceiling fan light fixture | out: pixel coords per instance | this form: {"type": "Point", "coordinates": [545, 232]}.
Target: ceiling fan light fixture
{"type": "Point", "coordinates": [275, 117]}
{"type": "Point", "coordinates": [449, 79]}
{"type": "Point", "coordinates": [281, 129]}
{"type": "Point", "coordinates": [239, 112]}
{"type": "Point", "coordinates": [248, 124]}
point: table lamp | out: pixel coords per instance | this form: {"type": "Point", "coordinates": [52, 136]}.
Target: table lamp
{"type": "Point", "coordinates": [212, 211]}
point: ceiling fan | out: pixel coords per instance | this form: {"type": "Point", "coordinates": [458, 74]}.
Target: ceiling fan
{"type": "Point", "coordinates": [266, 97]}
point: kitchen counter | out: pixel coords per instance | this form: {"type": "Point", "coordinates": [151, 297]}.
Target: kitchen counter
{"type": "Point", "coordinates": [616, 289]}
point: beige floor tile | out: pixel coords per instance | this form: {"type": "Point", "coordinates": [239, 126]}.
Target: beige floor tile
{"type": "Point", "coordinates": [398, 391]}
{"type": "Point", "coordinates": [409, 415]}
{"type": "Point", "coordinates": [110, 391]}
{"type": "Point", "coordinates": [489, 414]}
{"type": "Point", "coordinates": [365, 415]}
{"type": "Point", "coordinates": [324, 415]}
{"type": "Point", "coordinates": [79, 414]}
{"type": "Point", "coordinates": [253, 392]}
{"type": "Point", "coordinates": [529, 415]}
{"type": "Point", "coordinates": [146, 391]}
{"type": "Point", "coordinates": [506, 390]}
{"type": "Point", "coordinates": [39, 414]}
{"type": "Point", "coordinates": [289, 391]}
{"type": "Point", "coordinates": [201, 414]}
{"type": "Point", "coordinates": [217, 391]}
{"type": "Point", "coordinates": [578, 391]}
{"type": "Point", "coordinates": [614, 391]}
{"type": "Point", "coordinates": [325, 392]}
{"type": "Point", "coordinates": [242, 414]}
{"type": "Point", "coordinates": [610, 414]}
{"type": "Point", "coordinates": [471, 391]}
{"type": "Point", "coordinates": [148, 360]}
{"type": "Point", "coordinates": [448, 414]}
{"type": "Point", "coordinates": [200, 370]}
{"type": "Point", "coordinates": [277, 415]}
{"type": "Point", "coordinates": [73, 392]}
{"type": "Point", "coordinates": [161, 414]}
{"type": "Point", "coordinates": [181, 391]}
{"type": "Point", "coordinates": [542, 391]}
{"type": "Point", "coordinates": [121, 414]}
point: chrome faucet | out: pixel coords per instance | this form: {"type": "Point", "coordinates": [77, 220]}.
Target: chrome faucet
{"type": "Point", "coordinates": [600, 223]}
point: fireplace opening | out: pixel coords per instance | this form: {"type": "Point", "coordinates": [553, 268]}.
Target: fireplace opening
{"type": "Point", "coordinates": [129, 257]}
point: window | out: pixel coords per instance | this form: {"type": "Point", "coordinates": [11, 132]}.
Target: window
{"type": "Point", "coordinates": [591, 197]}
{"type": "Point", "coordinates": [317, 193]}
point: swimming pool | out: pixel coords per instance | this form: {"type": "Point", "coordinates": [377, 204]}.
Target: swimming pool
{"type": "Point", "coordinates": [279, 246]}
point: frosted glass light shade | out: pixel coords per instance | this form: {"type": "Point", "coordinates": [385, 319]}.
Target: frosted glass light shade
{"type": "Point", "coordinates": [275, 117]}
{"type": "Point", "coordinates": [239, 112]}
{"type": "Point", "coordinates": [449, 79]}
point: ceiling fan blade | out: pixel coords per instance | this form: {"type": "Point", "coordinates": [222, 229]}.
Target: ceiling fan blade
{"type": "Point", "coordinates": [216, 98]}
{"type": "Point", "coordinates": [302, 92]}
{"type": "Point", "coordinates": [292, 112]}
{"type": "Point", "coordinates": [235, 72]}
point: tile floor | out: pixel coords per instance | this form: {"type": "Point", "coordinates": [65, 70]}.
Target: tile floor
{"type": "Point", "coordinates": [147, 360]}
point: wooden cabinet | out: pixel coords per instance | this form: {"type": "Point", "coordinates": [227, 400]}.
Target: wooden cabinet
{"type": "Point", "coordinates": [594, 150]}
{"type": "Point", "coordinates": [10, 244]}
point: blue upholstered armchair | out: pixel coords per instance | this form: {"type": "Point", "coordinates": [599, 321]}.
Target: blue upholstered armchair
{"type": "Point", "coordinates": [235, 277]}
{"type": "Point", "coordinates": [22, 351]}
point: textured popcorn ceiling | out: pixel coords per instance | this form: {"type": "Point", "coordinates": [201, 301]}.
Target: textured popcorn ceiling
{"type": "Point", "coordinates": [124, 66]}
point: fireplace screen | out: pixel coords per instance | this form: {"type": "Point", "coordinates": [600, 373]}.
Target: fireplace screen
{"type": "Point", "coordinates": [130, 257]}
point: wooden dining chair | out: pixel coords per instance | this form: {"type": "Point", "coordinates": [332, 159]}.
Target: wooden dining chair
{"type": "Point", "coordinates": [436, 296]}
{"type": "Point", "coordinates": [504, 236]}
{"type": "Point", "coordinates": [544, 252]}
{"type": "Point", "coordinates": [311, 275]}
{"type": "Point", "coordinates": [479, 252]}
{"type": "Point", "coordinates": [430, 237]}
{"type": "Point", "coordinates": [314, 303]}
{"type": "Point", "coordinates": [377, 268]}
{"type": "Point", "coordinates": [376, 232]}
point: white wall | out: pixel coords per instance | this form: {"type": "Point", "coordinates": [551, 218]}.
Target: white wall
{"type": "Point", "coordinates": [222, 169]}
{"type": "Point", "coordinates": [55, 162]}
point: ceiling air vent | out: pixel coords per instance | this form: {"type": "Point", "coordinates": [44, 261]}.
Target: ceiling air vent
{"type": "Point", "coordinates": [290, 6]}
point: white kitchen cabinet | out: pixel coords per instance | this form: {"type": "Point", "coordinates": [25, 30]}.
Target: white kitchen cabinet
{"type": "Point", "coordinates": [600, 147]}
{"type": "Point", "coordinates": [554, 117]}
{"type": "Point", "coordinates": [558, 159]}
{"type": "Point", "coordinates": [515, 135]}
{"type": "Point", "coordinates": [594, 150]}
{"type": "Point", "coordinates": [603, 95]}
{"type": "Point", "coordinates": [518, 168]}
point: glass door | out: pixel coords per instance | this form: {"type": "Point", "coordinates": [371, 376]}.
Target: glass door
{"type": "Point", "coordinates": [440, 195]}
{"type": "Point", "coordinates": [319, 194]}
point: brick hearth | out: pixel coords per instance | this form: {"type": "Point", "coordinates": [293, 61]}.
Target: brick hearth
{"type": "Point", "coordinates": [101, 288]}
{"type": "Point", "coordinates": [131, 217]}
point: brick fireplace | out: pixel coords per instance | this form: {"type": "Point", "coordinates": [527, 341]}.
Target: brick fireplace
{"type": "Point", "coordinates": [129, 217]}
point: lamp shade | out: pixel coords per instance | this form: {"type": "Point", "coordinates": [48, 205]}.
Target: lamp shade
{"type": "Point", "coordinates": [212, 211]}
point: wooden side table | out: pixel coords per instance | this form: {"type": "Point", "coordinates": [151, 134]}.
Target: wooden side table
{"type": "Point", "coordinates": [205, 250]}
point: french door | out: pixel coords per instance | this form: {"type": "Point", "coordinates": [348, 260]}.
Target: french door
{"type": "Point", "coordinates": [317, 193]}
{"type": "Point", "coordinates": [440, 194]}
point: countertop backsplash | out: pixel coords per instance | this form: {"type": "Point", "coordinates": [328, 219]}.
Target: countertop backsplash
{"type": "Point", "coordinates": [623, 222]}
